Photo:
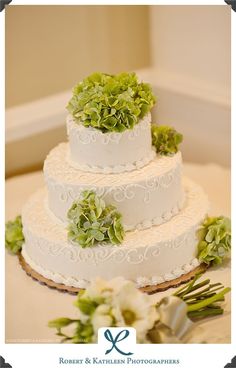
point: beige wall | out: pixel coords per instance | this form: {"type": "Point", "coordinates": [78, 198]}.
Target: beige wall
{"type": "Point", "coordinates": [50, 48]}
{"type": "Point", "coordinates": [191, 57]}
{"type": "Point", "coordinates": [191, 45]}
{"type": "Point", "coordinates": [28, 154]}
{"type": "Point", "coordinates": [185, 50]}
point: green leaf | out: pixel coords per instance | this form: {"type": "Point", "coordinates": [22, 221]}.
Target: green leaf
{"type": "Point", "coordinates": [86, 306]}
{"type": "Point", "coordinates": [87, 331]}
{"type": "Point", "coordinates": [60, 322]}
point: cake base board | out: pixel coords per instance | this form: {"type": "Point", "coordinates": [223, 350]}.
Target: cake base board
{"type": "Point", "coordinates": [152, 289]}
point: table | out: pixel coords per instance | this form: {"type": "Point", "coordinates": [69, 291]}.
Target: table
{"type": "Point", "coordinates": [29, 305]}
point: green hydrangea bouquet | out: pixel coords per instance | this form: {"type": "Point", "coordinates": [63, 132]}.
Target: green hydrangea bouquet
{"type": "Point", "coordinates": [14, 237]}
{"type": "Point", "coordinates": [165, 139]}
{"type": "Point", "coordinates": [91, 221]}
{"type": "Point", "coordinates": [214, 239]}
{"type": "Point", "coordinates": [110, 103]}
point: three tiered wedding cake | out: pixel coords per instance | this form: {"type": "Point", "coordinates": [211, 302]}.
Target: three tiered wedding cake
{"type": "Point", "coordinates": [160, 210]}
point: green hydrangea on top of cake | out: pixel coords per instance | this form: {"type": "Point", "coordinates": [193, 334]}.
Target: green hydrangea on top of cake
{"type": "Point", "coordinates": [91, 221]}
{"type": "Point", "coordinates": [110, 103]}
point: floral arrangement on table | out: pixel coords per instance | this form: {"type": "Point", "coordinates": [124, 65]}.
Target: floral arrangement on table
{"type": "Point", "coordinates": [110, 103]}
{"type": "Point", "coordinates": [118, 303]}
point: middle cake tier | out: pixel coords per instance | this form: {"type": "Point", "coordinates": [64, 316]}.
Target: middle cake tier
{"type": "Point", "coordinates": [145, 197]}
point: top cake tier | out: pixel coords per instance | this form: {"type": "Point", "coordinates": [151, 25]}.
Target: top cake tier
{"type": "Point", "coordinates": [109, 123]}
{"type": "Point", "coordinates": [92, 150]}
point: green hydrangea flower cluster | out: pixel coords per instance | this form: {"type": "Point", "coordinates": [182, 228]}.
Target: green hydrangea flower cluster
{"type": "Point", "coordinates": [14, 237]}
{"type": "Point", "coordinates": [165, 139]}
{"type": "Point", "coordinates": [91, 221]}
{"type": "Point", "coordinates": [214, 239]}
{"type": "Point", "coordinates": [110, 103]}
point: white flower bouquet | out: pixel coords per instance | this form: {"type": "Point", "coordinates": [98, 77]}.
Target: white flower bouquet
{"type": "Point", "coordinates": [118, 303]}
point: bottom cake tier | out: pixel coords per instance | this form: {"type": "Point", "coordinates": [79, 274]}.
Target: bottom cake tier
{"type": "Point", "coordinates": [147, 257]}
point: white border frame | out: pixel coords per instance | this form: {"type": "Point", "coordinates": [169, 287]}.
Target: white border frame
{"type": "Point", "coordinates": [23, 355]}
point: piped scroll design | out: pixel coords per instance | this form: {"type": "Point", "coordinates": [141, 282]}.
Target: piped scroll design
{"type": "Point", "coordinates": [141, 281]}
{"type": "Point", "coordinates": [103, 252]}
{"type": "Point", "coordinates": [68, 193]}
{"type": "Point", "coordinates": [100, 253]}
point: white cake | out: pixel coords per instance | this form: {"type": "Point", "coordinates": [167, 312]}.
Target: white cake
{"type": "Point", "coordinates": [161, 211]}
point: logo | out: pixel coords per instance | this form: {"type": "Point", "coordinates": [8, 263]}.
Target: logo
{"type": "Point", "coordinates": [119, 337]}
{"type": "Point", "coordinates": [117, 340]}
{"type": "Point", "coordinates": [3, 364]}
{"type": "Point", "coordinates": [232, 364]}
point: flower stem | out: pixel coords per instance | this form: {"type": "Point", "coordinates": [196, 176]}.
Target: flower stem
{"type": "Point", "coordinates": [191, 296]}
{"type": "Point", "coordinates": [204, 303]}
{"type": "Point", "coordinates": [187, 286]}
{"type": "Point", "coordinates": [191, 287]}
{"type": "Point", "coordinates": [206, 293]}
{"type": "Point", "coordinates": [205, 313]}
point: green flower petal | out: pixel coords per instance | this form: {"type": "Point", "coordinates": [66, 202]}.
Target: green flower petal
{"type": "Point", "coordinates": [98, 235]}
{"type": "Point", "coordinates": [60, 322]}
{"type": "Point", "coordinates": [112, 235]}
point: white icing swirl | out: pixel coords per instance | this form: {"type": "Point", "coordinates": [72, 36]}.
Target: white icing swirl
{"type": "Point", "coordinates": [159, 253]}
{"type": "Point", "coordinates": [140, 281]}
{"type": "Point", "coordinates": [144, 197]}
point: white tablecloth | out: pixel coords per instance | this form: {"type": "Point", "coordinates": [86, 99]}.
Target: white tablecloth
{"type": "Point", "coordinates": [29, 305]}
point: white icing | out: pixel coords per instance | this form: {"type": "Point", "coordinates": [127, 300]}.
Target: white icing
{"type": "Point", "coordinates": [141, 226]}
{"type": "Point", "coordinates": [94, 151]}
{"type": "Point", "coordinates": [140, 281]}
{"type": "Point", "coordinates": [150, 256]}
{"type": "Point", "coordinates": [145, 197]}
{"type": "Point", "coordinates": [113, 169]}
